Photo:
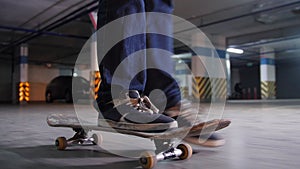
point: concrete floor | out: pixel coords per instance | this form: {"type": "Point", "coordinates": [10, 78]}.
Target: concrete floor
{"type": "Point", "coordinates": [262, 135]}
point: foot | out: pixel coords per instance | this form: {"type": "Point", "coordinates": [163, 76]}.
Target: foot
{"type": "Point", "coordinates": [133, 112]}
{"type": "Point", "coordinates": [214, 140]}
{"type": "Point", "coordinates": [184, 113]}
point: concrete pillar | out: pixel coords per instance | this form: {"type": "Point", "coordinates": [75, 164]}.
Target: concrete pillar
{"type": "Point", "coordinates": [95, 77]}
{"type": "Point", "coordinates": [24, 86]}
{"type": "Point", "coordinates": [208, 67]}
{"type": "Point", "coordinates": [267, 73]}
{"type": "Point", "coordinates": [219, 43]}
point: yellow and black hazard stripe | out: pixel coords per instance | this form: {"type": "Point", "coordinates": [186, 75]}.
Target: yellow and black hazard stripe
{"type": "Point", "coordinates": [95, 83]}
{"type": "Point", "coordinates": [24, 89]}
{"type": "Point", "coordinates": [205, 88]}
{"type": "Point", "coordinates": [184, 91]}
{"type": "Point", "coordinates": [219, 88]}
{"type": "Point", "coordinates": [268, 90]}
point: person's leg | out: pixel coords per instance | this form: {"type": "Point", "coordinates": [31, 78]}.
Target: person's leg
{"type": "Point", "coordinates": [159, 55]}
{"type": "Point", "coordinates": [127, 108]}
{"type": "Point", "coordinates": [110, 10]}
{"type": "Point", "coordinates": [161, 78]}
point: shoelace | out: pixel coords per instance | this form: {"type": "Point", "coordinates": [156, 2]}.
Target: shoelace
{"type": "Point", "coordinates": [142, 104]}
{"type": "Point", "coordinates": [138, 105]}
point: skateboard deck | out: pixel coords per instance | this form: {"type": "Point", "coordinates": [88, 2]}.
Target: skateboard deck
{"type": "Point", "coordinates": [71, 121]}
{"type": "Point", "coordinates": [163, 140]}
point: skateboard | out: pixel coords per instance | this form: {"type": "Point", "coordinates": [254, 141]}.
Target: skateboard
{"type": "Point", "coordinates": [147, 159]}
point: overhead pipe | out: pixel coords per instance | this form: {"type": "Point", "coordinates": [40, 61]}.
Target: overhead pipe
{"type": "Point", "coordinates": [241, 16]}
{"type": "Point", "coordinates": [54, 25]}
{"type": "Point", "coordinates": [264, 43]}
{"type": "Point", "coordinates": [237, 17]}
{"type": "Point", "coordinates": [60, 13]}
{"type": "Point", "coordinates": [258, 54]}
{"type": "Point", "coordinates": [247, 45]}
{"type": "Point", "coordinates": [60, 24]}
{"type": "Point", "coordinates": [50, 26]}
{"type": "Point", "coordinates": [42, 32]}
{"type": "Point", "coordinates": [42, 12]}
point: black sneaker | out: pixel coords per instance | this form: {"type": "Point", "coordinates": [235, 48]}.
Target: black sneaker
{"type": "Point", "coordinates": [214, 140]}
{"type": "Point", "coordinates": [132, 112]}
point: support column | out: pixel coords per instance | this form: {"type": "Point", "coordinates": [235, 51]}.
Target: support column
{"type": "Point", "coordinates": [95, 77]}
{"type": "Point", "coordinates": [220, 46]}
{"type": "Point", "coordinates": [24, 86]}
{"type": "Point", "coordinates": [208, 67]}
{"type": "Point", "coordinates": [267, 73]}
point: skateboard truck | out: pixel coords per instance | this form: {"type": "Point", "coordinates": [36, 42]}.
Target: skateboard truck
{"type": "Point", "coordinates": [148, 159]}
{"type": "Point", "coordinates": [169, 154]}
{"type": "Point", "coordinates": [79, 138]}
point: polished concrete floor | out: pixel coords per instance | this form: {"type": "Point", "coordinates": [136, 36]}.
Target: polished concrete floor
{"type": "Point", "coordinates": [262, 136]}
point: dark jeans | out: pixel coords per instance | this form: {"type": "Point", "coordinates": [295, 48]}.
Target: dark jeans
{"type": "Point", "coordinates": [145, 70]}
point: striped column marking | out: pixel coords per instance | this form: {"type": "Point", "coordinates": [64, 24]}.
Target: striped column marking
{"type": "Point", "coordinates": [24, 89]}
{"type": "Point", "coordinates": [219, 88]}
{"type": "Point", "coordinates": [268, 90]}
{"type": "Point", "coordinates": [184, 91]}
{"type": "Point", "coordinates": [195, 88]}
{"type": "Point", "coordinates": [205, 88]}
{"type": "Point", "coordinates": [201, 88]}
{"type": "Point", "coordinates": [267, 73]}
{"type": "Point", "coordinates": [24, 84]}
{"type": "Point", "coordinates": [95, 83]}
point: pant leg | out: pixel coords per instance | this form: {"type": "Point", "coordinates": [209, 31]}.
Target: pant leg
{"type": "Point", "coordinates": [161, 78]}
{"type": "Point", "coordinates": [109, 10]}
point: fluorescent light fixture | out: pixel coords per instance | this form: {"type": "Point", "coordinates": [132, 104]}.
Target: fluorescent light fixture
{"type": "Point", "coordinates": [182, 56]}
{"type": "Point", "coordinates": [234, 50]}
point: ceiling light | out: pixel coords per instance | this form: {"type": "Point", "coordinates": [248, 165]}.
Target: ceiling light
{"type": "Point", "coordinates": [296, 10]}
{"type": "Point", "coordinates": [182, 56]}
{"type": "Point", "coordinates": [234, 50]}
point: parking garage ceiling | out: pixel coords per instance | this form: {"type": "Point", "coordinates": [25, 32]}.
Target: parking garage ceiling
{"type": "Point", "coordinates": [242, 22]}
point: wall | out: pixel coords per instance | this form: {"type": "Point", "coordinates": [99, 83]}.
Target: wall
{"type": "Point", "coordinates": [250, 79]}
{"type": "Point", "coordinates": [288, 78]}
{"type": "Point", "coordinates": [235, 78]}
{"type": "Point", "coordinates": [39, 77]}
{"type": "Point", "coordinates": [5, 81]}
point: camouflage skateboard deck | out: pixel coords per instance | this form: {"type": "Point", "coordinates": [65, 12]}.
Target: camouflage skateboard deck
{"type": "Point", "coordinates": [71, 121]}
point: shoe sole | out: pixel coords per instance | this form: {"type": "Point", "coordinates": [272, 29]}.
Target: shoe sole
{"type": "Point", "coordinates": [137, 127]}
{"type": "Point", "coordinates": [204, 142]}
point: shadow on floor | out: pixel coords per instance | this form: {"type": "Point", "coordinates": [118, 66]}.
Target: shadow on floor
{"type": "Point", "coordinates": [76, 157]}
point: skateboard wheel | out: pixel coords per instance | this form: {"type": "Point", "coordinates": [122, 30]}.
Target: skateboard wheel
{"type": "Point", "coordinates": [97, 139]}
{"type": "Point", "coordinates": [61, 143]}
{"type": "Point", "coordinates": [148, 160]}
{"type": "Point", "coordinates": [187, 151]}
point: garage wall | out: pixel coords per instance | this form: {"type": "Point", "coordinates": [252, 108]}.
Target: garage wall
{"type": "Point", "coordinates": [235, 78]}
{"type": "Point", "coordinates": [39, 77]}
{"type": "Point", "coordinates": [250, 79]}
{"type": "Point", "coordinates": [5, 81]}
{"type": "Point", "coordinates": [288, 78]}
